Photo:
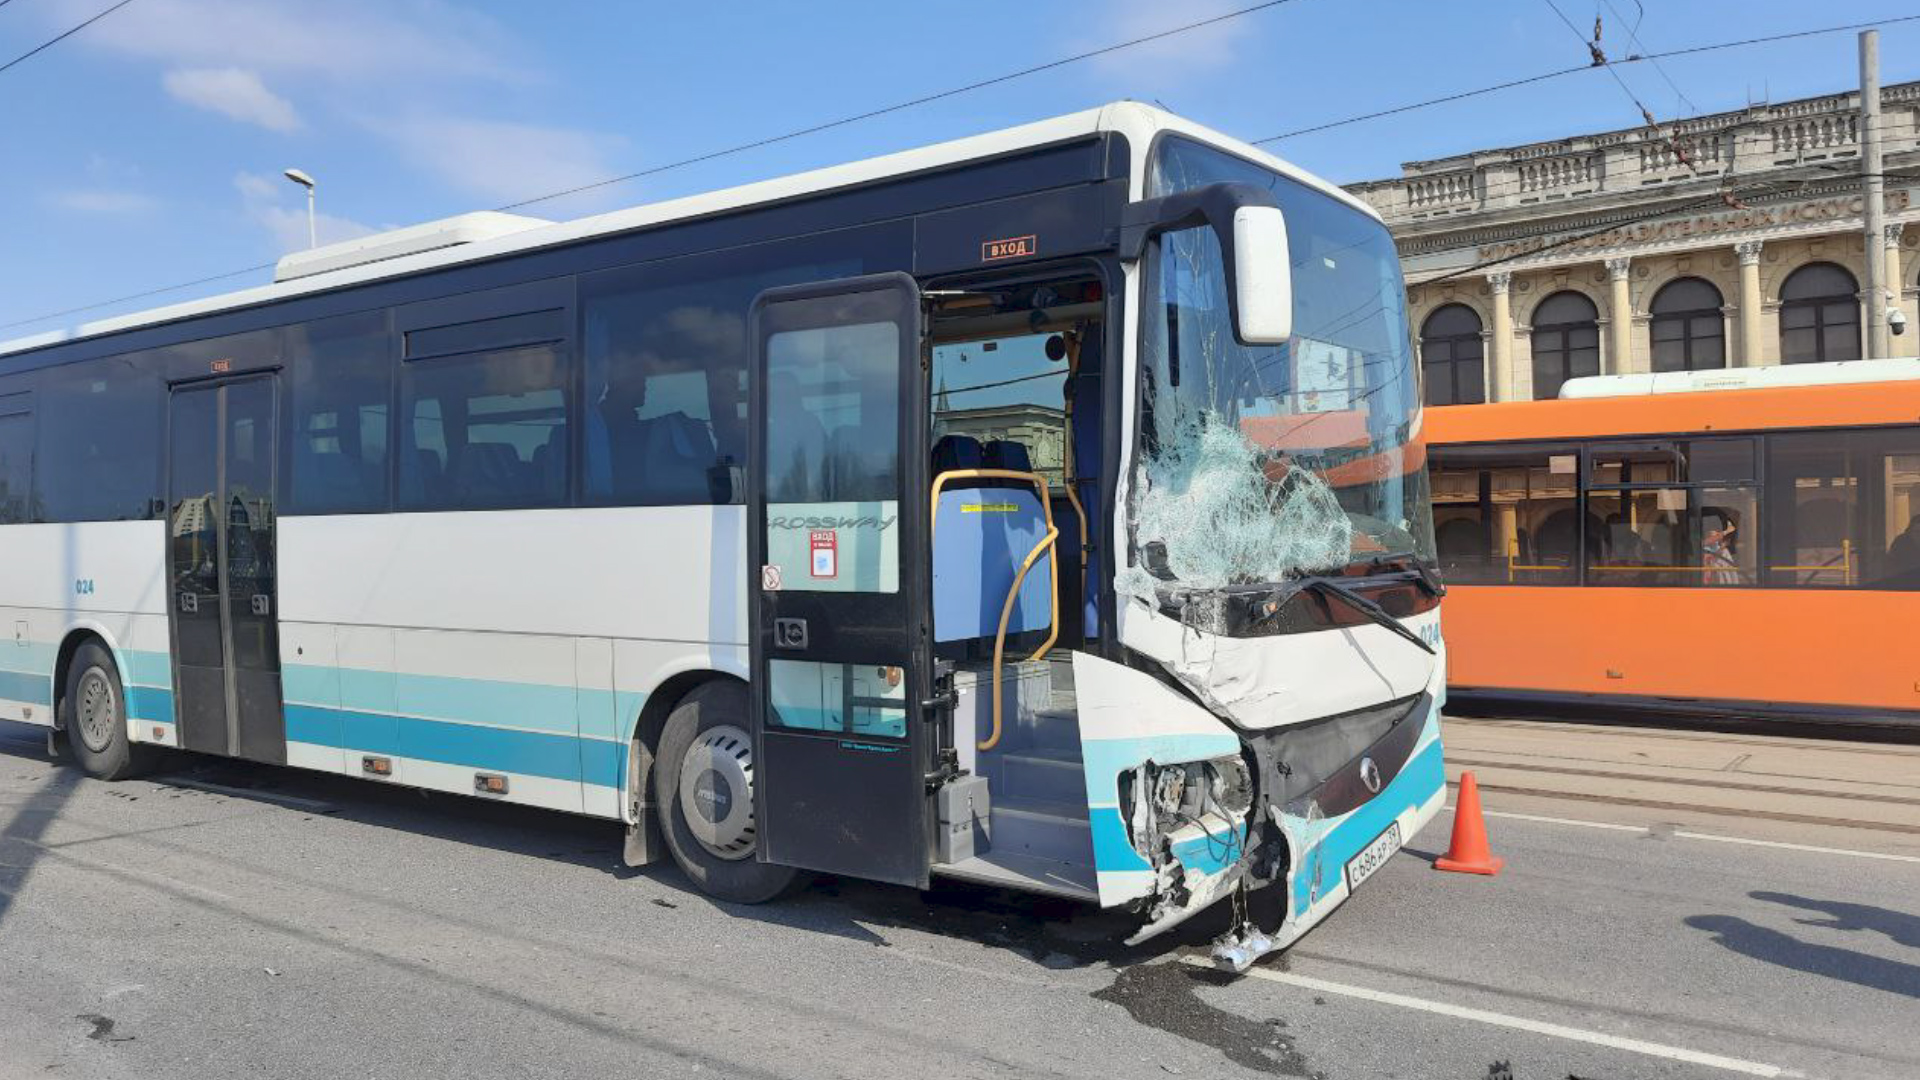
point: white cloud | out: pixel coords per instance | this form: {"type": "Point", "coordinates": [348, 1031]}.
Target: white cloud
{"type": "Point", "coordinates": [234, 93]}
{"type": "Point", "coordinates": [1170, 60]}
{"type": "Point", "coordinates": [264, 202]}
{"type": "Point", "coordinates": [502, 162]}
{"type": "Point", "coordinates": [345, 41]}
{"type": "Point", "coordinates": [103, 201]}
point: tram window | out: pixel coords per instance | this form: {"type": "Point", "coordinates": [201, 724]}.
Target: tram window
{"type": "Point", "coordinates": [1843, 509]}
{"type": "Point", "coordinates": [16, 459]}
{"type": "Point", "coordinates": [484, 431]}
{"type": "Point", "coordinates": [1719, 459]}
{"type": "Point", "coordinates": [340, 381]}
{"type": "Point", "coordinates": [1812, 500]}
{"type": "Point", "coordinates": [1507, 519]}
{"type": "Point", "coordinates": [1894, 555]}
{"type": "Point", "coordinates": [98, 425]}
{"type": "Point", "coordinates": [1635, 464]}
{"type": "Point", "coordinates": [1672, 536]}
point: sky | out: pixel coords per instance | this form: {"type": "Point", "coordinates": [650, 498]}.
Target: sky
{"type": "Point", "coordinates": [146, 150]}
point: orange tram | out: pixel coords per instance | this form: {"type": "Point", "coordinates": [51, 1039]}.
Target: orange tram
{"type": "Point", "coordinates": [1736, 553]}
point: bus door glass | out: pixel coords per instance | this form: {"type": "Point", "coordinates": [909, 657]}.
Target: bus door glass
{"type": "Point", "coordinates": [221, 562]}
{"type": "Point", "coordinates": [837, 510]}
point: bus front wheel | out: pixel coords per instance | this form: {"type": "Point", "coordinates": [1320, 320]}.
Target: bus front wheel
{"type": "Point", "coordinates": [703, 783]}
{"type": "Point", "coordinates": [95, 717]}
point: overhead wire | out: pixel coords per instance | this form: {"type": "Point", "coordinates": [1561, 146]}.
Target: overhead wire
{"type": "Point", "coordinates": [712, 155]}
{"type": "Point", "coordinates": [62, 36]}
{"type": "Point", "coordinates": [1329, 125]}
{"type": "Point", "coordinates": [1633, 36]}
{"type": "Point", "coordinates": [1564, 72]}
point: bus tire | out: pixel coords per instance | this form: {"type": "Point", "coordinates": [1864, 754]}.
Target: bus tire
{"type": "Point", "coordinates": [94, 715]}
{"type": "Point", "coordinates": [706, 756]}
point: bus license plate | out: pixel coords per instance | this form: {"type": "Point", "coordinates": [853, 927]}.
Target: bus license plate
{"type": "Point", "coordinates": [1373, 856]}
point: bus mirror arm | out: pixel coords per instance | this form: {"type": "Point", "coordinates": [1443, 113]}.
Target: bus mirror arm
{"type": "Point", "coordinates": [1252, 232]}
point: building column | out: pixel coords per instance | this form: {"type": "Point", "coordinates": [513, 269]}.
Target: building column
{"type": "Point", "coordinates": [1619, 319]}
{"type": "Point", "coordinates": [1749, 252]}
{"type": "Point", "coordinates": [1501, 355]}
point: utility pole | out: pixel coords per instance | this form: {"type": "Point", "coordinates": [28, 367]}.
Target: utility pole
{"type": "Point", "coordinates": [1875, 198]}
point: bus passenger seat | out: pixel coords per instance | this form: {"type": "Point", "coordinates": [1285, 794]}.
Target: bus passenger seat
{"type": "Point", "coordinates": [488, 472]}
{"type": "Point", "coordinates": [952, 452]}
{"type": "Point", "coordinates": [1010, 455]}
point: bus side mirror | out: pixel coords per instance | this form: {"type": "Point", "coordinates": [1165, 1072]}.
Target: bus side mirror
{"type": "Point", "coordinates": [1252, 232]}
{"type": "Point", "coordinates": [1262, 276]}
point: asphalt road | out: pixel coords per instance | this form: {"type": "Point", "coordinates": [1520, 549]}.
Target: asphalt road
{"type": "Point", "coordinates": [228, 920]}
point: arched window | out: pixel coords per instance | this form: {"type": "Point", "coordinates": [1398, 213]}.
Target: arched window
{"type": "Point", "coordinates": [1688, 332]}
{"type": "Point", "coordinates": [1819, 315]}
{"type": "Point", "coordinates": [1566, 342]}
{"type": "Point", "coordinates": [1450, 356]}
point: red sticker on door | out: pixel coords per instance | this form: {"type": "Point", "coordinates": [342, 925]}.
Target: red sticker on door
{"type": "Point", "coordinates": [825, 546]}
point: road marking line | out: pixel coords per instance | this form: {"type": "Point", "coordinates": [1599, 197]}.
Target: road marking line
{"type": "Point", "coordinates": [1518, 1023]}
{"type": "Point", "coordinates": [1715, 838]}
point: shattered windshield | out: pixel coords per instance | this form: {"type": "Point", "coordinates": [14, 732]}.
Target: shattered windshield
{"type": "Point", "coordinates": [1259, 463]}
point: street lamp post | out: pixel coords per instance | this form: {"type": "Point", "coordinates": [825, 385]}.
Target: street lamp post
{"type": "Point", "coordinates": [305, 181]}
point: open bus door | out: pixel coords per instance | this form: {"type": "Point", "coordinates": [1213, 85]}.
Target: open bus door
{"type": "Point", "coordinates": [836, 525]}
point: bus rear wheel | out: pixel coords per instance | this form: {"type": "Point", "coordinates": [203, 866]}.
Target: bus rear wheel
{"type": "Point", "coordinates": [703, 783]}
{"type": "Point", "coordinates": [95, 717]}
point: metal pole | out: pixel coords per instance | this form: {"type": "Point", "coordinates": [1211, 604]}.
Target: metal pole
{"type": "Point", "coordinates": [313, 236]}
{"type": "Point", "coordinates": [1875, 198]}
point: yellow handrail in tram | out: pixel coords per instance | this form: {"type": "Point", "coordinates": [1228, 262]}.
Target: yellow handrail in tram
{"type": "Point", "coordinates": [1006, 609]}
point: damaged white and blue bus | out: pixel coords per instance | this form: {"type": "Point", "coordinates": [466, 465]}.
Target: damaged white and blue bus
{"type": "Point", "coordinates": [1046, 509]}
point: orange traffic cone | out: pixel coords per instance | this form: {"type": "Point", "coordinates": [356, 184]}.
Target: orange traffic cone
{"type": "Point", "coordinates": [1469, 853]}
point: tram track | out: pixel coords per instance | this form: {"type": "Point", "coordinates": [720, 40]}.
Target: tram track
{"type": "Point", "coordinates": [1687, 781]}
{"type": "Point", "coordinates": [1696, 808]}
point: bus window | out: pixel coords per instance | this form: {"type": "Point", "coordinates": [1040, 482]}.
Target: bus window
{"type": "Point", "coordinates": [484, 431]}
{"type": "Point", "coordinates": [340, 381]}
{"type": "Point", "coordinates": [1671, 536]}
{"type": "Point", "coordinates": [1507, 519]}
{"type": "Point", "coordinates": [16, 458]}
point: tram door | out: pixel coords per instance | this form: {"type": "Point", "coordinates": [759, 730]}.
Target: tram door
{"type": "Point", "coordinates": [221, 443]}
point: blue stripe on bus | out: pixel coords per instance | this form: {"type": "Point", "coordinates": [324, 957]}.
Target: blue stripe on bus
{"type": "Point", "coordinates": [1415, 784]}
{"type": "Point", "coordinates": [533, 753]}
{"type": "Point", "coordinates": [26, 686]}
{"type": "Point", "coordinates": [561, 710]}
{"type": "Point", "coordinates": [150, 703]}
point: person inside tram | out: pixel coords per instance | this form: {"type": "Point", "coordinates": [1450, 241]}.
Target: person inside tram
{"type": "Point", "coordinates": [1718, 546]}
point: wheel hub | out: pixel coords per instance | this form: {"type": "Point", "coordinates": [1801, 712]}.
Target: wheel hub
{"type": "Point", "coordinates": [95, 711]}
{"type": "Point", "coordinates": [716, 791]}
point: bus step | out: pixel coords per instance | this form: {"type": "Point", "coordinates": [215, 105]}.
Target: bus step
{"type": "Point", "coordinates": [1054, 728]}
{"type": "Point", "coordinates": [1051, 774]}
{"type": "Point", "coordinates": [1035, 833]}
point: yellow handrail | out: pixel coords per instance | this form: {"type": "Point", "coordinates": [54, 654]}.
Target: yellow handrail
{"type": "Point", "coordinates": [1006, 609]}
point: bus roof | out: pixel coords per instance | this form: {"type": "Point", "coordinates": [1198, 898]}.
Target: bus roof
{"type": "Point", "coordinates": [1688, 382]}
{"type": "Point", "coordinates": [1832, 405]}
{"type": "Point", "coordinates": [404, 251]}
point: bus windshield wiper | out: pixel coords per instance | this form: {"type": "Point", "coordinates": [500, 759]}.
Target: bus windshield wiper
{"type": "Point", "coordinates": [1415, 565]}
{"type": "Point", "coordinates": [1326, 586]}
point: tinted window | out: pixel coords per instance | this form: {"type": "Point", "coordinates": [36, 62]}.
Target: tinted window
{"type": "Point", "coordinates": [506, 331]}
{"type": "Point", "coordinates": [1819, 315]}
{"type": "Point", "coordinates": [484, 431]}
{"type": "Point", "coordinates": [1451, 356]}
{"type": "Point", "coordinates": [340, 384]}
{"type": "Point", "coordinates": [665, 355]}
{"type": "Point", "coordinates": [1688, 330]}
{"type": "Point", "coordinates": [16, 458]}
{"type": "Point", "coordinates": [833, 406]}
{"type": "Point", "coordinates": [1843, 509]}
{"type": "Point", "coordinates": [99, 441]}
{"type": "Point", "coordinates": [1507, 517]}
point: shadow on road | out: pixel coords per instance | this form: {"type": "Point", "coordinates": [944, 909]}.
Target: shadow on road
{"type": "Point", "coordinates": [21, 830]}
{"type": "Point", "coordinates": [1784, 950]}
{"type": "Point", "coordinates": [1050, 932]}
{"type": "Point", "coordinates": [1903, 928]}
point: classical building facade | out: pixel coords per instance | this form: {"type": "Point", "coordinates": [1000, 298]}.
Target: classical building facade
{"type": "Point", "coordinates": [1720, 241]}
